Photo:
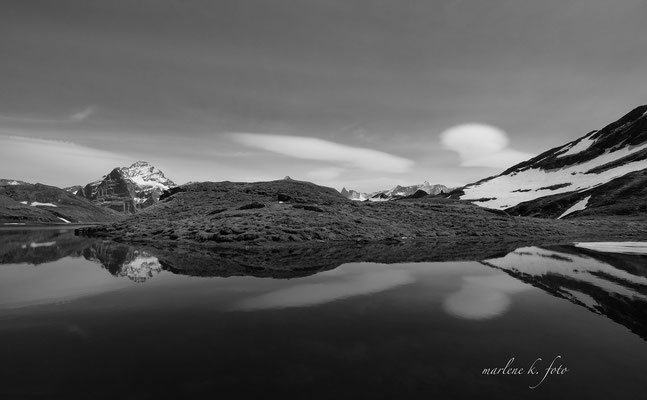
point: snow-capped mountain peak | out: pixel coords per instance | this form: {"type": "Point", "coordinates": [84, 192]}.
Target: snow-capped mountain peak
{"type": "Point", "coordinates": [143, 173]}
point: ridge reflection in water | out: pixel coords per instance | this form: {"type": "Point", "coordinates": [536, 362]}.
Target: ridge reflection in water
{"type": "Point", "coordinates": [437, 324]}
{"type": "Point", "coordinates": [612, 284]}
{"type": "Point", "coordinates": [604, 282]}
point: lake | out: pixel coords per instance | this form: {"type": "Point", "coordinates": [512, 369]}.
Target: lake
{"type": "Point", "coordinates": [81, 318]}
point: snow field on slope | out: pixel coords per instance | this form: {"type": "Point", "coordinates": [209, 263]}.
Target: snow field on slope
{"type": "Point", "coordinates": [503, 187]}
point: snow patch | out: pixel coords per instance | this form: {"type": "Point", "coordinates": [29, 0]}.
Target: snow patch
{"type": "Point", "coordinates": [36, 204]}
{"type": "Point", "coordinates": [583, 298]}
{"type": "Point", "coordinates": [64, 220]}
{"type": "Point", "coordinates": [34, 245]}
{"type": "Point", "coordinates": [141, 181]}
{"type": "Point", "coordinates": [615, 247]}
{"type": "Point", "coordinates": [23, 202]}
{"type": "Point", "coordinates": [579, 206]}
{"type": "Point", "coordinates": [579, 147]}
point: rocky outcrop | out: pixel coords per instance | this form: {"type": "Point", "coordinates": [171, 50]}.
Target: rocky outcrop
{"type": "Point", "coordinates": [114, 191]}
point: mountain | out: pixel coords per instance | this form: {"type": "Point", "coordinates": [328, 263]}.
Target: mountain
{"type": "Point", "coordinates": [354, 195]}
{"type": "Point", "coordinates": [602, 173]}
{"type": "Point", "coordinates": [395, 193]}
{"type": "Point", "coordinates": [37, 203]}
{"type": "Point", "coordinates": [127, 189]}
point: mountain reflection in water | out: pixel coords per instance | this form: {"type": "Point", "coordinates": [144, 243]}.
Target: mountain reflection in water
{"type": "Point", "coordinates": [610, 284]}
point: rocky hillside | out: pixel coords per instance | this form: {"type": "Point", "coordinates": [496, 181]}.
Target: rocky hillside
{"type": "Point", "coordinates": [27, 203]}
{"type": "Point", "coordinates": [602, 173]}
{"type": "Point", "coordinates": [127, 189]}
{"type": "Point", "coordinates": [289, 211]}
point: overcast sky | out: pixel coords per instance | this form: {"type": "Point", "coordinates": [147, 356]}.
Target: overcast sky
{"type": "Point", "coordinates": [362, 94]}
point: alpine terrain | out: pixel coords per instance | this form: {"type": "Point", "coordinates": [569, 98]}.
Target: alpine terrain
{"type": "Point", "coordinates": [602, 173]}
{"type": "Point", "coordinates": [22, 203]}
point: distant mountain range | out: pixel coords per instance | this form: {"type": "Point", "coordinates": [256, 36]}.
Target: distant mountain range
{"type": "Point", "coordinates": [396, 192]}
{"type": "Point", "coordinates": [602, 173]}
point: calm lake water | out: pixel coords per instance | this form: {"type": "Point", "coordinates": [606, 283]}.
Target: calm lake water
{"type": "Point", "coordinates": [87, 319]}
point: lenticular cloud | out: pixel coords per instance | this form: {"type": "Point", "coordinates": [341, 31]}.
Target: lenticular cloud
{"type": "Point", "coordinates": [322, 150]}
{"type": "Point", "coordinates": [481, 145]}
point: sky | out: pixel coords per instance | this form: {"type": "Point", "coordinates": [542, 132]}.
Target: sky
{"type": "Point", "coordinates": [361, 94]}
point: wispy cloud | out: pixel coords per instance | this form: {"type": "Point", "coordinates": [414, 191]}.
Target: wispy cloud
{"type": "Point", "coordinates": [23, 119]}
{"type": "Point", "coordinates": [83, 114]}
{"type": "Point", "coordinates": [481, 145]}
{"type": "Point", "coordinates": [322, 150]}
{"type": "Point", "coordinates": [53, 161]}
{"type": "Point", "coordinates": [77, 116]}
{"type": "Point", "coordinates": [324, 174]}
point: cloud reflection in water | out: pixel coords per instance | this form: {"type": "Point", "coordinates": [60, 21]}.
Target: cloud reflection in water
{"type": "Point", "coordinates": [483, 297]}
{"type": "Point", "coordinates": [366, 281]}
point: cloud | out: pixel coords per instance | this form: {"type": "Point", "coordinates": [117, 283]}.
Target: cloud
{"type": "Point", "coordinates": [83, 114]}
{"type": "Point", "coordinates": [54, 162]}
{"type": "Point", "coordinates": [74, 117]}
{"type": "Point", "coordinates": [481, 145]}
{"type": "Point", "coordinates": [323, 174]}
{"type": "Point", "coordinates": [322, 150]}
